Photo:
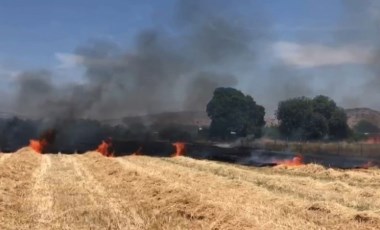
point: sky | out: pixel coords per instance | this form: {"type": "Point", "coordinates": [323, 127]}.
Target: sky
{"type": "Point", "coordinates": [32, 32]}
{"type": "Point", "coordinates": [302, 38]}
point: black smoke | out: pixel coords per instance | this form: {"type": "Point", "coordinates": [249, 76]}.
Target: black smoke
{"type": "Point", "coordinates": [361, 28]}
{"type": "Point", "coordinates": [161, 72]}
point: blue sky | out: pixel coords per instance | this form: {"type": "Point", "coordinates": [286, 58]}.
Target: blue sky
{"type": "Point", "coordinates": [43, 33]}
{"type": "Point", "coordinates": [31, 32]}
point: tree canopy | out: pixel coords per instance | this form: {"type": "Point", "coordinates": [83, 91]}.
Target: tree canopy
{"type": "Point", "coordinates": [231, 111]}
{"type": "Point", "coordinates": [312, 119]}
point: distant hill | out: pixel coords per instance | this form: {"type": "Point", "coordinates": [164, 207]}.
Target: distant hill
{"type": "Point", "coordinates": [357, 114]}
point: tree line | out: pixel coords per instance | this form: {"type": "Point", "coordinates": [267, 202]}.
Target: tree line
{"type": "Point", "coordinates": [235, 115]}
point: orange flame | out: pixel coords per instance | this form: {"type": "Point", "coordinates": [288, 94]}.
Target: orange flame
{"type": "Point", "coordinates": [180, 149]}
{"type": "Point", "coordinates": [105, 148]}
{"type": "Point", "coordinates": [38, 145]}
{"type": "Point", "coordinates": [373, 140]}
{"type": "Point", "coordinates": [296, 161]}
{"type": "Point", "coordinates": [367, 165]}
{"type": "Point", "coordinates": [45, 139]}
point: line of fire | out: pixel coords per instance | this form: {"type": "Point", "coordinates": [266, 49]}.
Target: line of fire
{"type": "Point", "coordinates": [114, 141]}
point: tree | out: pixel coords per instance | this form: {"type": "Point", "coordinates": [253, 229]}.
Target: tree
{"type": "Point", "coordinates": [324, 106]}
{"type": "Point", "coordinates": [231, 111]}
{"type": "Point", "coordinates": [311, 119]}
{"type": "Point", "coordinates": [364, 126]}
{"type": "Point", "coordinates": [316, 127]}
{"type": "Point", "coordinates": [293, 114]}
{"type": "Point", "coordinates": [338, 127]}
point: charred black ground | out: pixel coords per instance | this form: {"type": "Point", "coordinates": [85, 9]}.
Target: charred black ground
{"type": "Point", "coordinates": [79, 136]}
{"type": "Point", "coordinates": [234, 155]}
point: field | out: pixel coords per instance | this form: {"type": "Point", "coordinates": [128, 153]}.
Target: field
{"type": "Point", "coordinates": [90, 191]}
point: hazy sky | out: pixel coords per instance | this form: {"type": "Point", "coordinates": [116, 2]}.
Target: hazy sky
{"type": "Point", "coordinates": [303, 47]}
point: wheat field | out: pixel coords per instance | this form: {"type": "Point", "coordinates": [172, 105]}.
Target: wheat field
{"type": "Point", "coordinates": [90, 191]}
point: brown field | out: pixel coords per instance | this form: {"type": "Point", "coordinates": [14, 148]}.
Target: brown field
{"type": "Point", "coordinates": [137, 192]}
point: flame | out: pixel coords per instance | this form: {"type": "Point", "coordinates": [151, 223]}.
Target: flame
{"type": "Point", "coordinates": [367, 165]}
{"type": "Point", "coordinates": [296, 161]}
{"type": "Point", "coordinates": [38, 145]}
{"type": "Point", "coordinates": [373, 140]}
{"type": "Point", "coordinates": [180, 149]}
{"type": "Point", "coordinates": [45, 139]}
{"type": "Point", "coordinates": [105, 148]}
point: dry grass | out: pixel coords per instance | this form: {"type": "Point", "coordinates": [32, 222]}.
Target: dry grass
{"type": "Point", "coordinates": [138, 192]}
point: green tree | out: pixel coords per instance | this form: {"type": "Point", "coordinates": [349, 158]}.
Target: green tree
{"type": "Point", "coordinates": [304, 118]}
{"type": "Point", "coordinates": [232, 111]}
{"type": "Point", "coordinates": [324, 106]}
{"type": "Point", "coordinates": [364, 126]}
{"type": "Point", "coordinates": [293, 114]}
{"type": "Point", "coordinates": [316, 127]}
{"type": "Point", "coordinates": [338, 127]}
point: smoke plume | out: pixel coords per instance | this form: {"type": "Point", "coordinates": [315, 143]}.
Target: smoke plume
{"type": "Point", "coordinates": [159, 73]}
{"type": "Point", "coordinates": [205, 44]}
{"type": "Point", "coordinates": [362, 20]}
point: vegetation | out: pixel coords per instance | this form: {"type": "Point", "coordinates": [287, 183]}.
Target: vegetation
{"type": "Point", "coordinates": [271, 132]}
{"type": "Point", "coordinates": [232, 112]}
{"type": "Point", "coordinates": [364, 126]}
{"type": "Point", "coordinates": [303, 118]}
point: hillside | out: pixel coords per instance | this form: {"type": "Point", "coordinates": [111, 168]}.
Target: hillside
{"type": "Point", "coordinates": [137, 192]}
{"type": "Point", "coordinates": [357, 114]}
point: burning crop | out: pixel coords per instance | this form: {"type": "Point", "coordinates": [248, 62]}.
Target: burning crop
{"type": "Point", "coordinates": [180, 149]}
{"type": "Point", "coordinates": [367, 165]}
{"type": "Point", "coordinates": [46, 139]}
{"type": "Point", "coordinates": [105, 148]}
{"type": "Point", "coordinates": [38, 145]}
{"type": "Point", "coordinates": [295, 161]}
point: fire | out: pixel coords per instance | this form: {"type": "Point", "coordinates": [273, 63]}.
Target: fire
{"type": "Point", "coordinates": [105, 148]}
{"type": "Point", "coordinates": [44, 141]}
{"type": "Point", "coordinates": [296, 161]}
{"type": "Point", "coordinates": [38, 145]}
{"type": "Point", "coordinates": [367, 165]}
{"type": "Point", "coordinates": [180, 149]}
{"type": "Point", "coordinates": [373, 140]}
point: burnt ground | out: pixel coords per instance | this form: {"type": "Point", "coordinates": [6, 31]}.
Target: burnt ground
{"type": "Point", "coordinates": [237, 155]}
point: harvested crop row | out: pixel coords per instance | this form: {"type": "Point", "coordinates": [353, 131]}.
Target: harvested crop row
{"type": "Point", "coordinates": [161, 204]}
{"type": "Point", "coordinates": [18, 174]}
{"type": "Point", "coordinates": [354, 177]}
{"type": "Point", "coordinates": [290, 211]}
{"type": "Point", "coordinates": [90, 191]}
{"type": "Point", "coordinates": [76, 202]}
{"type": "Point", "coordinates": [360, 198]}
{"type": "Point", "coordinates": [3, 157]}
